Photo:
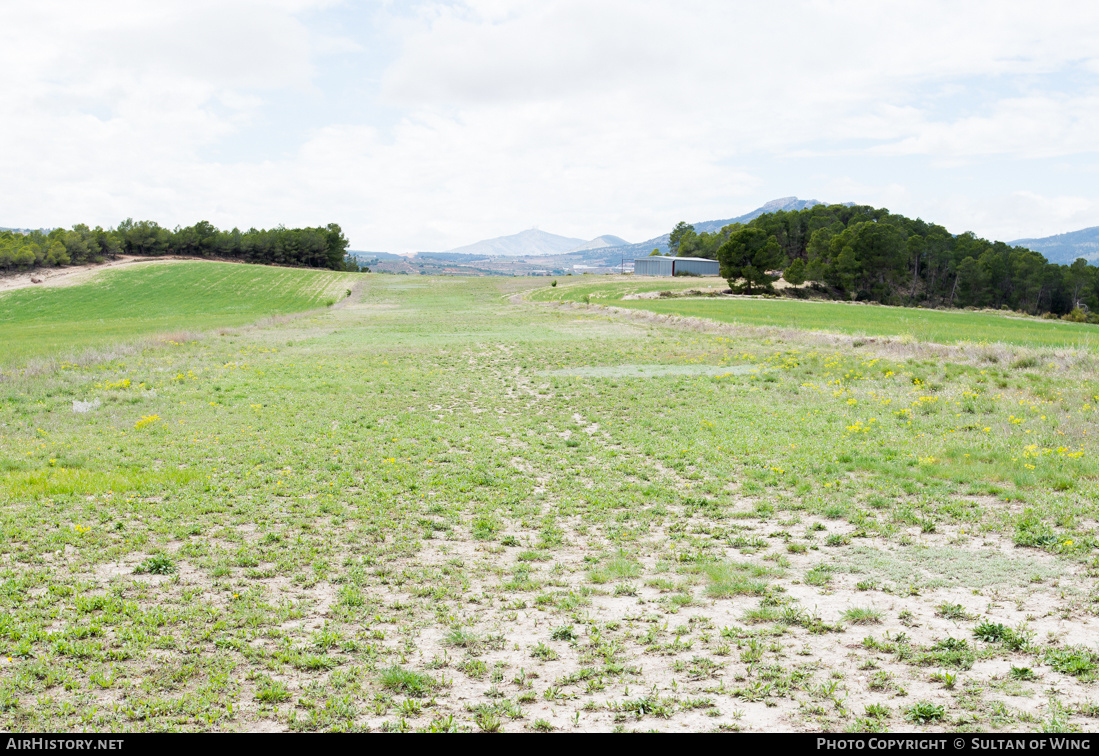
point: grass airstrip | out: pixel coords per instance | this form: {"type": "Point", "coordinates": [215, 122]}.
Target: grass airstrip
{"type": "Point", "coordinates": [446, 505]}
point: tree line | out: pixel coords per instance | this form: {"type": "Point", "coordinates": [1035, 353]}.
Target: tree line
{"type": "Point", "coordinates": [322, 247]}
{"type": "Point", "coordinates": [869, 254]}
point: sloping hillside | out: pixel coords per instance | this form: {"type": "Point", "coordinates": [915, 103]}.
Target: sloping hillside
{"type": "Point", "coordinates": [156, 298]}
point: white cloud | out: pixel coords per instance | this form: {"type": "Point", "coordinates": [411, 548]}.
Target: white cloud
{"type": "Point", "coordinates": [1031, 127]}
{"type": "Point", "coordinates": [106, 104]}
{"type": "Point", "coordinates": [621, 116]}
{"type": "Point", "coordinates": [1020, 214]}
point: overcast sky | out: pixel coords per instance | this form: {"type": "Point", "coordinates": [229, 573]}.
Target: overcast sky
{"type": "Point", "coordinates": [428, 125]}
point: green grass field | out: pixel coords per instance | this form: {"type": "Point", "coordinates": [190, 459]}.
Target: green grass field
{"type": "Point", "coordinates": [159, 298]}
{"type": "Point", "coordinates": [443, 508]}
{"type": "Point", "coordinates": [939, 326]}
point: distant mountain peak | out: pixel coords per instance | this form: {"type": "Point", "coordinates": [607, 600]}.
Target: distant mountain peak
{"type": "Point", "coordinates": [601, 242]}
{"type": "Point", "coordinates": [532, 242]}
{"type": "Point", "coordinates": [782, 203]}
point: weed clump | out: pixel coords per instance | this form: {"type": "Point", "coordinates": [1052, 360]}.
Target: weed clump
{"type": "Point", "coordinates": [990, 633]}
{"type": "Point", "coordinates": [1031, 531]}
{"type": "Point", "coordinates": [924, 712]}
{"type": "Point", "coordinates": [730, 579]}
{"type": "Point", "coordinates": [820, 575]}
{"type": "Point", "coordinates": [952, 612]}
{"type": "Point", "coordinates": [1073, 660]}
{"type": "Point", "coordinates": [485, 528]}
{"type": "Point", "coordinates": [1023, 674]}
{"type": "Point", "coordinates": [1016, 640]}
{"type": "Point", "coordinates": [949, 652]}
{"type": "Point", "coordinates": [161, 564]}
{"type": "Point", "coordinates": [543, 652]}
{"type": "Point", "coordinates": [272, 691]}
{"type": "Point", "coordinates": [863, 616]}
{"type": "Point", "coordinates": [565, 633]}
{"type": "Point", "coordinates": [462, 639]}
{"type": "Point", "coordinates": [408, 682]}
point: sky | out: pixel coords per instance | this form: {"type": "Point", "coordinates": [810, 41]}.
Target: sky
{"type": "Point", "coordinates": [430, 125]}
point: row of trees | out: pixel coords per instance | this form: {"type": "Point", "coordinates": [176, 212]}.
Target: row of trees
{"type": "Point", "coordinates": [308, 247]}
{"type": "Point", "coordinates": [868, 253]}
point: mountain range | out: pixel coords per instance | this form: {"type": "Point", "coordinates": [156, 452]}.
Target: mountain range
{"type": "Point", "coordinates": [1063, 249]}
{"type": "Point", "coordinates": [533, 243]}
{"type": "Point", "coordinates": [536, 243]}
{"type": "Point", "coordinates": [642, 249]}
